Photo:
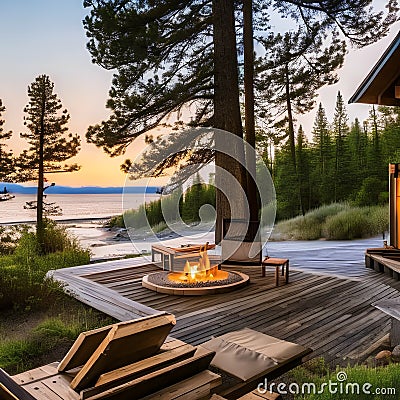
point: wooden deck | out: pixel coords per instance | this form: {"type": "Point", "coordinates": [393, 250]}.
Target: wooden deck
{"type": "Point", "coordinates": [331, 315]}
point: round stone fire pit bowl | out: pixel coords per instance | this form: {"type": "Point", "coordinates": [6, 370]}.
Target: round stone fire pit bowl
{"type": "Point", "coordinates": [159, 282]}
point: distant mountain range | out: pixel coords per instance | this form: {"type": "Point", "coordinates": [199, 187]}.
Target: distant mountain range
{"type": "Point", "coordinates": [15, 188]}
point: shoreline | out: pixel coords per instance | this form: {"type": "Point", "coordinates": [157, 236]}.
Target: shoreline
{"type": "Point", "coordinates": [61, 221]}
{"type": "Point", "coordinates": [108, 243]}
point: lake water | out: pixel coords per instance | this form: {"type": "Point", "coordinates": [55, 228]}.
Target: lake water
{"type": "Point", "coordinates": [74, 206]}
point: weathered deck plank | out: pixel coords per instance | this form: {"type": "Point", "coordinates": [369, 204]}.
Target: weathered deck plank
{"type": "Point", "coordinates": [332, 315]}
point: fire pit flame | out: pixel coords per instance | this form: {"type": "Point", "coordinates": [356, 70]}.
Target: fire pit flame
{"type": "Point", "coordinates": [198, 271]}
{"type": "Point", "coordinates": [197, 278]}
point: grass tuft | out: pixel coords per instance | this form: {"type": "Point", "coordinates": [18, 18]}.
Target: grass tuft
{"type": "Point", "coordinates": [53, 333]}
{"type": "Point", "coordinates": [22, 274]}
{"type": "Point", "coordinates": [379, 378]}
{"type": "Point", "coordinates": [338, 221]}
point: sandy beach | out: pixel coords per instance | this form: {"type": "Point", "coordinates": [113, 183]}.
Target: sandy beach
{"type": "Point", "coordinates": [105, 243]}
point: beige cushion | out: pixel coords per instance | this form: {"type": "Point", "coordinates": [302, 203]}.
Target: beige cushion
{"type": "Point", "coordinates": [247, 353]}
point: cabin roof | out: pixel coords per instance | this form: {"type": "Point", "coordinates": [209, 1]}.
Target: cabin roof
{"type": "Point", "coordinates": [379, 87]}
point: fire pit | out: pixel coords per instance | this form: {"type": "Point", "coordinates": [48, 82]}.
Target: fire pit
{"type": "Point", "coordinates": [197, 278]}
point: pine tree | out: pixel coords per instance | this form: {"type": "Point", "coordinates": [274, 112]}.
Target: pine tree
{"type": "Point", "coordinates": [6, 157]}
{"type": "Point", "coordinates": [322, 160]}
{"type": "Point", "coordinates": [343, 184]}
{"type": "Point", "coordinates": [358, 145]}
{"type": "Point", "coordinates": [375, 150]}
{"type": "Point", "coordinates": [373, 186]}
{"type": "Point", "coordinates": [50, 142]}
{"type": "Point", "coordinates": [286, 184]}
{"type": "Point", "coordinates": [170, 55]}
{"type": "Point", "coordinates": [249, 103]}
{"type": "Point", "coordinates": [298, 65]}
{"type": "Point", "coordinates": [193, 199]}
{"type": "Point", "coordinates": [164, 57]}
{"type": "Point", "coordinates": [303, 167]}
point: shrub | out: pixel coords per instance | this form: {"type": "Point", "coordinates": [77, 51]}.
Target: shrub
{"type": "Point", "coordinates": [169, 208]}
{"type": "Point", "coordinates": [22, 278]}
{"type": "Point", "coordinates": [54, 328]}
{"type": "Point", "coordinates": [322, 213]}
{"type": "Point", "coordinates": [172, 206]}
{"type": "Point", "coordinates": [57, 239]}
{"type": "Point", "coordinates": [357, 223]}
{"type": "Point", "coordinates": [136, 218]}
{"type": "Point", "coordinates": [300, 228]}
{"type": "Point", "coordinates": [379, 216]}
{"type": "Point", "coordinates": [159, 227]}
{"type": "Point", "coordinates": [53, 333]}
{"type": "Point", "coordinates": [116, 222]}
{"type": "Point", "coordinates": [348, 224]}
{"type": "Point", "coordinates": [310, 226]}
{"type": "Point", "coordinates": [22, 274]}
{"type": "Point", "coordinates": [9, 237]}
{"type": "Point", "coordinates": [338, 221]}
{"type": "Point", "coordinates": [17, 353]}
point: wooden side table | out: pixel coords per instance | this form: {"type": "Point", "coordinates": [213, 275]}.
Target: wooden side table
{"type": "Point", "coordinates": [277, 263]}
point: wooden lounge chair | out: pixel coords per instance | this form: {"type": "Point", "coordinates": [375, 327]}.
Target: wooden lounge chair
{"type": "Point", "coordinates": [128, 360]}
{"type": "Point", "coordinates": [10, 390]}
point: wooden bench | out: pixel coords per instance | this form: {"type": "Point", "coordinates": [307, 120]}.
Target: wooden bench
{"type": "Point", "coordinates": [170, 254]}
{"type": "Point", "coordinates": [167, 255]}
{"type": "Point", "coordinates": [277, 263]}
{"type": "Point", "coordinates": [385, 260]}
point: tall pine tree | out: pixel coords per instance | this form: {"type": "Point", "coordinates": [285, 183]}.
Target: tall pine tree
{"type": "Point", "coordinates": [358, 147]}
{"type": "Point", "coordinates": [375, 150]}
{"type": "Point", "coordinates": [303, 168]}
{"type": "Point", "coordinates": [50, 142]}
{"type": "Point", "coordinates": [297, 66]}
{"type": "Point", "coordinates": [343, 184]}
{"type": "Point", "coordinates": [170, 55]}
{"type": "Point", "coordinates": [286, 184]}
{"type": "Point", "coordinates": [323, 159]}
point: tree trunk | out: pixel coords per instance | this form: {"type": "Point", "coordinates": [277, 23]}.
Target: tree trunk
{"type": "Point", "coordinates": [248, 43]}
{"type": "Point", "coordinates": [40, 188]}
{"type": "Point", "coordinates": [292, 142]}
{"type": "Point", "coordinates": [226, 114]}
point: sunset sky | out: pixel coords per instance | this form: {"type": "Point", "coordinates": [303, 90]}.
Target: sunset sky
{"type": "Point", "coordinates": [47, 37]}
